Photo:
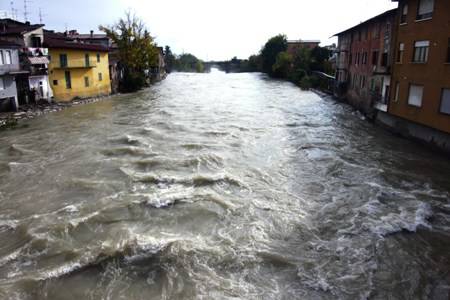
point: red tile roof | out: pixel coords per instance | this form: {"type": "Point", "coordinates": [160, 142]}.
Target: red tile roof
{"type": "Point", "coordinates": [60, 41]}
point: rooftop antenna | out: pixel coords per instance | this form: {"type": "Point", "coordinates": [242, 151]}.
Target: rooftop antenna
{"type": "Point", "coordinates": [25, 9]}
{"type": "Point", "coordinates": [41, 19]}
{"type": "Point", "coordinates": [13, 11]}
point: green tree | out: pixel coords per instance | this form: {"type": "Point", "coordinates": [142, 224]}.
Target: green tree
{"type": "Point", "coordinates": [136, 50]}
{"type": "Point", "coordinates": [254, 63]}
{"type": "Point", "coordinates": [319, 58]}
{"type": "Point", "coordinates": [188, 63]}
{"type": "Point", "coordinates": [270, 51]}
{"type": "Point", "coordinates": [283, 65]}
{"type": "Point", "coordinates": [169, 58]}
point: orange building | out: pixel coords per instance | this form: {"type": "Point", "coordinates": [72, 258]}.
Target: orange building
{"type": "Point", "coordinates": [421, 74]}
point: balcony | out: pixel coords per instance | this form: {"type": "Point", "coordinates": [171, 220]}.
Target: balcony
{"type": "Point", "coordinates": [36, 52]}
{"type": "Point", "coordinates": [77, 64]}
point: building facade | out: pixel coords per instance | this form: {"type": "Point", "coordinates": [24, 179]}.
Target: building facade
{"type": "Point", "coordinates": [364, 63]}
{"type": "Point", "coordinates": [33, 85]}
{"type": "Point", "coordinates": [77, 70]}
{"type": "Point", "coordinates": [421, 76]}
{"type": "Point", "coordinates": [9, 67]}
{"type": "Point", "coordinates": [293, 46]}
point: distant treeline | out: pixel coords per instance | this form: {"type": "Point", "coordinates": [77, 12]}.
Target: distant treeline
{"type": "Point", "coordinates": [274, 60]}
{"type": "Point", "coordinates": [183, 63]}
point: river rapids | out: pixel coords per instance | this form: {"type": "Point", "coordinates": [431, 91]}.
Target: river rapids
{"type": "Point", "coordinates": [220, 186]}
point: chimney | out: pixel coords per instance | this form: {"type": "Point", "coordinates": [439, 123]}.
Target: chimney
{"type": "Point", "coordinates": [92, 34]}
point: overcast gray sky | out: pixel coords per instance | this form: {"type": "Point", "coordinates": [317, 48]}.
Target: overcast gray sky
{"type": "Point", "coordinates": [210, 29]}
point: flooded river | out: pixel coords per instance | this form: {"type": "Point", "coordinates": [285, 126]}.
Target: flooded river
{"type": "Point", "coordinates": [215, 186]}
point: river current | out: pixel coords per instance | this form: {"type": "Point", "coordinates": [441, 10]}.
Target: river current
{"type": "Point", "coordinates": [220, 186]}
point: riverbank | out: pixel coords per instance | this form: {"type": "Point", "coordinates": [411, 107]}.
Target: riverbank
{"type": "Point", "coordinates": [426, 136]}
{"type": "Point", "coordinates": [31, 111]}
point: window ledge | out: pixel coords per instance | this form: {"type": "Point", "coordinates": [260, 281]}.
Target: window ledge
{"type": "Point", "coordinates": [416, 106]}
{"type": "Point", "coordinates": [418, 63]}
{"type": "Point", "coordinates": [423, 20]}
{"type": "Point", "coordinates": [403, 24]}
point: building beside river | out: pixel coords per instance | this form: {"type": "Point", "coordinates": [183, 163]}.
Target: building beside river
{"type": "Point", "coordinates": [77, 69]}
{"type": "Point", "coordinates": [364, 62]}
{"type": "Point", "coordinates": [293, 46]}
{"type": "Point", "coordinates": [420, 102]}
{"type": "Point", "coordinates": [9, 68]}
{"type": "Point", "coordinates": [396, 68]}
{"type": "Point", "coordinates": [32, 82]}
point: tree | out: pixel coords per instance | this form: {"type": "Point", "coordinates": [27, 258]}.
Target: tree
{"type": "Point", "coordinates": [319, 58]}
{"type": "Point", "coordinates": [282, 66]}
{"type": "Point", "coordinates": [136, 50]}
{"type": "Point", "coordinates": [188, 63]}
{"type": "Point", "coordinates": [169, 58]}
{"type": "Point", "coordinates": [254, 63]}
{"type": "Point", "coordinates": [270, 51]}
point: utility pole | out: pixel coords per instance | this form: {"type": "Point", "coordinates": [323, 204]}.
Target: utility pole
{"type": "Point", "coordinates": [40, 16]}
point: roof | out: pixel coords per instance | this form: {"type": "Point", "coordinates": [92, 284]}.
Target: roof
{"type": "Point", "coordinates": [303, 41]}
{"type": "Point", "coordinates": [380, 16]}
{"type": "Point", "coordinates": [9, 44]}
{"type": "Point", "coordinates": [90, 37]}
{"type": "Point", "coordinates": [13, 27]}
{"type": "Point", "coordinates": [60, 41]}
{"type": "Point", "coordinates": [39, 60]}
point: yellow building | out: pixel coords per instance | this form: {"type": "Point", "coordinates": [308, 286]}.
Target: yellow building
{"type": "Point", "coordinates": [77, 70]}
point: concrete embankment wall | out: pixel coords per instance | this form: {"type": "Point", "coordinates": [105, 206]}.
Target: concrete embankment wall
{"type": "Point", "coordinates": [427, 135]}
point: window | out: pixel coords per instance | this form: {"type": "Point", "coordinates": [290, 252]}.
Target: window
{"type": "Point", "coordinates": [384, 59]}
{"type": "Point", "coordinates": [362, 82]}
{"type": "Point", "coordinates": [350, 59]}
{"type": "Point", "coordinates": [55, 82]}
{"type": "Point", "coordinates": [445, 101]}
{"type": "Point", "coordinates": [376, 31]}
{"type": "Point", "coordinates": [404, 14]}
{"type": "Point", "coordinates": [364, 58]}
{"type": "Point", "coordinates": [2, 84]}
{"type": "Point", "coordinates": [425, 10]}
{"type": "Point", "coordinates": [397, 91]}
{"type": "Point", "coordinates": [2, 61]}
{"type": "Point", "coordinates": [8, 59]}
{"type": "Point", "coordinates": [100, 76]}
{"type": "Point", "coordinates": [86, 59]}
{"type": "Point", "coordinates": [63, 60]}
{"type": "Point", "coordinates": [415, 95]}
{"type": "Point", "coordinates": [401, 48]}
{"type": "Point", "coordinates": [421, 51]}
{"type": "Point", "coordinates": [372, 84]}
{"type": "Point", "coordinates": [86, 81]}
{"type": "Point", "coordinates": [98, 57]}
{"type": "Point", "coordinates": [36, 42]}
{"type": "Point", "coordinates": [375, 58]}
{"type": "Point", "coordinates": [448, 51]}
{"type": "Point", "coordinates": [68, 80]}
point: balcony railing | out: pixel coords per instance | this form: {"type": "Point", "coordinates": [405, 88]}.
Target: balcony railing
{"type": "Point", "coordinates": [36, 51]}
{"type": "Point", "coordinates": [77, 64]}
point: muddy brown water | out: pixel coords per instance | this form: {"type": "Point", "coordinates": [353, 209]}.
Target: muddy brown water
{"type": "Point", "coordinates": [216, 186]}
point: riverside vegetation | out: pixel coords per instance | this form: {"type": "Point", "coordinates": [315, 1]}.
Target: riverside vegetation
{"type": "Point", "coordinates": [274, 60]}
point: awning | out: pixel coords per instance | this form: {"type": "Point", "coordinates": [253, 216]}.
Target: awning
{"type": "Point", "coordinates": [39, 60]}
